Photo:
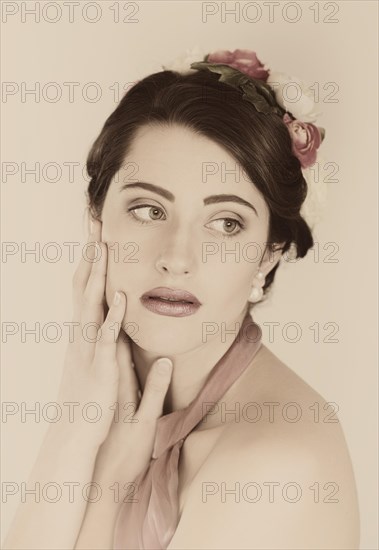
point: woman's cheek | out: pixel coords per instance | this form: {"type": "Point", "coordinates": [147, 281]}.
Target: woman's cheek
{"type": "Point", "coordinates": [124, 269]}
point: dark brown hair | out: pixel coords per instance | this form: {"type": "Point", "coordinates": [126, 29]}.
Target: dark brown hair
{"type": "Point", "coordinates": [260, 143]}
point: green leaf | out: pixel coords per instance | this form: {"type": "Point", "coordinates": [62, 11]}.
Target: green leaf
{"type": "Point", "coordinates": [255, 91]}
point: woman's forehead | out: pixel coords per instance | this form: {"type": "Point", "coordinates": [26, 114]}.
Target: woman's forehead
{"type": "Point", "coordinates": [174, 139]}
{"type": "Point", "coordinates": [177, 155]}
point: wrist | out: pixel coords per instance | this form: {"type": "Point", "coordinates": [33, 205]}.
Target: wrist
{"type": "Point", "coordinates": [71, 437]}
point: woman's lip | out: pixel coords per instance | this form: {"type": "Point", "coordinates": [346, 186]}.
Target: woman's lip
{"type": "Point", "coordinates": [172, 309]}
{"type": "Point", "coordinates": [171, 294]}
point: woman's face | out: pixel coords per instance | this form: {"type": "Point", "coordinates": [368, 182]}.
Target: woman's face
{"type": "Point", "coordinates": [182, 235]}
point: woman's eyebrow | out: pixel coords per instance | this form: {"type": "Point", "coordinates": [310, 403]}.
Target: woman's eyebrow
{"type": "Point", "coordinates": [169, 196]}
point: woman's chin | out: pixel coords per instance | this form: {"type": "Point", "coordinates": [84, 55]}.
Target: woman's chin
{"type": "Point", "coordinates": [163, 347]}
{"type": "Point", "coordinates": [162, 334]}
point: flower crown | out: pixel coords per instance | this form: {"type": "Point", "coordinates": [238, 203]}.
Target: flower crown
{"type": "Point", "coordinates": [268, 91]}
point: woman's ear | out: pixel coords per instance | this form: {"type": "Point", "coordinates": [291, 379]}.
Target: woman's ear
{"type": "Point", "coordinates": [271, 257]}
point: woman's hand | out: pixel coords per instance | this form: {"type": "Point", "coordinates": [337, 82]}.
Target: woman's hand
{"type": "Point", "coordinates": [130, 441]}
{"type": "Point", "coordinates": [98, 368]}
{"type": "Point", "coordinates": [127, 447]}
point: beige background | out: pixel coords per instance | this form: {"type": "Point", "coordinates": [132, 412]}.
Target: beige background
{"type": "Point", "coordinates": [308, 292]}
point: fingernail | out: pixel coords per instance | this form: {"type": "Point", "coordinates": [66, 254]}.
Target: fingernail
{"type": "Point", "coordinates": [164, 365]}
{"type": "Point", "coordinates": [116, 298]}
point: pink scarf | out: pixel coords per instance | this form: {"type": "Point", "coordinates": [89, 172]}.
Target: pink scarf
{"type": "Point", "coordinates": [151, 522]}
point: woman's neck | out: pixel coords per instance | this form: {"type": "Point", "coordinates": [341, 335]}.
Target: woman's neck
{"type": "Point", "coordinates": [190, 368]}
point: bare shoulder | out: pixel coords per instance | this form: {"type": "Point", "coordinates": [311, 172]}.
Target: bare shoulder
{"type": "Point", "coordinates": [271, 405]}
{"type": "Point", "coordinates": [280, 472]}
{"type": "Point", "coordinates": [279, 411]}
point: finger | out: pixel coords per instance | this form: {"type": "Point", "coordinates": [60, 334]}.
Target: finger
{"type": "Point", "coordinates": [92, 316]}
{"type": "Point", "coordinates": [83, 270]}
{"type": "Point", "coordinates": [128, 386]}
{"type": "Point", "coordinates": [81, 276]}
{"type": "Point", "coordinates": [157, 383]}
{"type": "Point", "coordinates": [105, 358]}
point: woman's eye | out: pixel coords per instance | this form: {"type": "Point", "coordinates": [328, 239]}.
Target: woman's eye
{"type": "Point", "coordinates": [228, 225]}
{"type": "Point", "coordinates": [152, 213]}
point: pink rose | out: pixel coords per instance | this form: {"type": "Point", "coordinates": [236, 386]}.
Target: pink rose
{"type": "Point", "coordinates": [245, 61]}
{"type": "Point", "coordinates": [306, 139]}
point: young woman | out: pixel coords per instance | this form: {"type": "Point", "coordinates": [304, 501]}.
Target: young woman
{"type": "Point", "coordinates": [195, 196]}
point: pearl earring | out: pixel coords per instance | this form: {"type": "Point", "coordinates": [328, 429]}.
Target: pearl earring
{"type": "Point", "coordinates": [257, 290]}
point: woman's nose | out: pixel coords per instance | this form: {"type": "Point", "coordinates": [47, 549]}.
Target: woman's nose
{"type": "Point", "coordinates": [176, 255]}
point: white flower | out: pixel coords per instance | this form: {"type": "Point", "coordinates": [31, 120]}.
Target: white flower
{"type": "Point", "coordinates": [294, 96]}
{"type": "Point", "coordinates": [314, 205]}
{"type": "Point", "coordinates": [182, 63]}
